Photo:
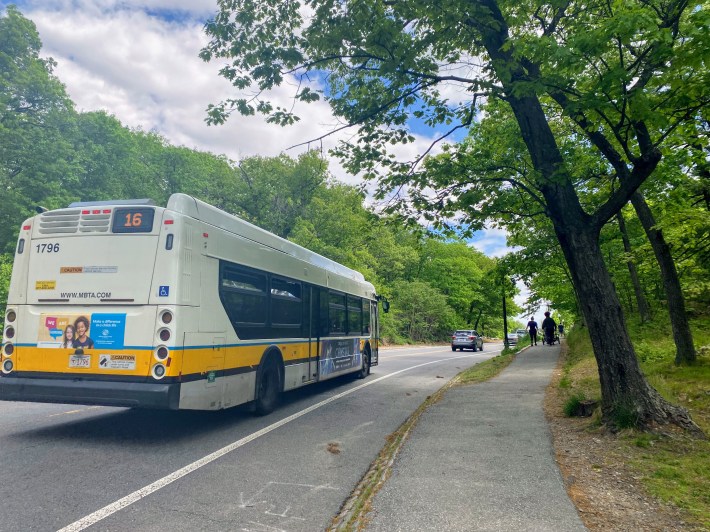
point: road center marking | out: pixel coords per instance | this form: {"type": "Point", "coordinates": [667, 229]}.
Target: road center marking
{"type": "Point", "coordinates": [137, 495]}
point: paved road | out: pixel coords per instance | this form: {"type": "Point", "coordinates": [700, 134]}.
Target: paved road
{"type": "Point", "coordinates": [125, 469]}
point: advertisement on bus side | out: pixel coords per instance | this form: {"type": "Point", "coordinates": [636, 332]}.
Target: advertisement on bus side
{"type": "Point", "coordinates": [338, 355]}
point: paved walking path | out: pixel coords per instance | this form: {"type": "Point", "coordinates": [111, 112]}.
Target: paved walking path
{"type": "Point", "coordinates": [481, 459]}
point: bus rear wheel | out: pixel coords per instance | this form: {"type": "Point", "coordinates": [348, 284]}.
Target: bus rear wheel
{"type": "Point", "coordinates": [365, 368]}
{"type": "Point", "coordinates": [268, 388]}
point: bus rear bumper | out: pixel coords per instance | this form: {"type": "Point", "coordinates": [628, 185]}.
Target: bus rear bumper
{"type": "Point", "coordinates": [105, 393]}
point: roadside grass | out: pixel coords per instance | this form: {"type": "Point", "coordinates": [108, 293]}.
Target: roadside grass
{"type": "Point", "coordinates": [490, 368]}
{"type": "Point", "coordinates": [672, 465]}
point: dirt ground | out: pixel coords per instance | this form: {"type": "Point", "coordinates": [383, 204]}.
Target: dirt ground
{"type": "Point", "coordinates": [593, 466]}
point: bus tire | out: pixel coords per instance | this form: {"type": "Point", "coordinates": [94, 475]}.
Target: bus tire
{"type": "Point", "coordinates": [365, 368]}
{"type": "Point", "coordinates": [268, 387]}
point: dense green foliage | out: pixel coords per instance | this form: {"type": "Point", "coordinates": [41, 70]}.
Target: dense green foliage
{"type": "Point", "coordinates": [572, 110]}
{"type": "Point", "coordinates": [35, 145]}
{"type": "Point", "coordinates": [51, 155]}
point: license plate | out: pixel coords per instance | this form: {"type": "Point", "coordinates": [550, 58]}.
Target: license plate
{"type": "Point", "coordinates": [79, 361]}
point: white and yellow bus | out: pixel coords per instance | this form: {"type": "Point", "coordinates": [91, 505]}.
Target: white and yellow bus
{"type": "Point", "coordinates": [124, 303]}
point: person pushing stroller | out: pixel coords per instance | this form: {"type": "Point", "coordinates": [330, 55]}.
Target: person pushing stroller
{"type": "Point", "coordinates": [549, 327]}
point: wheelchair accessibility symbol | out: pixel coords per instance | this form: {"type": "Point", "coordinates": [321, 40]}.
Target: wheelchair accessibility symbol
{"type": "Point", "coordinates": [164, 291]}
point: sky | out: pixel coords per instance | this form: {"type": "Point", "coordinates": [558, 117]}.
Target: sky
{"type": "Point", "coordinates": [138, 60]}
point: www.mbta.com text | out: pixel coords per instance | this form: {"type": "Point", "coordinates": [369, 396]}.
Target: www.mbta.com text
{"type": "Point", "coordinates": [86, 295]}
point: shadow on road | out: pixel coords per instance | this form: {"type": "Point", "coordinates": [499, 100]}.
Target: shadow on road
{"type": "Point", "coordinates": [138, 427]}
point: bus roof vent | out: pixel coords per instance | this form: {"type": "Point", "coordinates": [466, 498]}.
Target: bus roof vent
{"type": "Point", "coordinates": [66, 221]}
{"type": "Point", "coordinates": [109, 203]}
{"type": "Point", "coordinates": [95, 222]}
{"type": "Point", "coordinates": [61, 221]}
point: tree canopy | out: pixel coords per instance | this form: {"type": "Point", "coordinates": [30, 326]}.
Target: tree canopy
{"type": "Point", "coordinates": [612, 82]}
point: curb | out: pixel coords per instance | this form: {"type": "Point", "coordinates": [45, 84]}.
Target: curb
{"type": "Point", "coordinates": [353, 513]}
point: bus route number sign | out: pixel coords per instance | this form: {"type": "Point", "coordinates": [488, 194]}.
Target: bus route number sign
{"type": "Point", "coordinates": [133, 220]}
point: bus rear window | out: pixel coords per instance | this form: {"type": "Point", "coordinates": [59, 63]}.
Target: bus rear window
{"type": "Point", "coordinates": [133, 220]}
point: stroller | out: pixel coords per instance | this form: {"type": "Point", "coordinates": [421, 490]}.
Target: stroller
{"type": "Point", "coordinates": [550, 336]}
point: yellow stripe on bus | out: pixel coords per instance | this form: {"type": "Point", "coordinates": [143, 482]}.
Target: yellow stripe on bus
{"type": "Point", "coordinates": [184, 361]}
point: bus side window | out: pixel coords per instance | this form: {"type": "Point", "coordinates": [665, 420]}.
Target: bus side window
{"type": "Point", "coordinates": [365, 316]}
{"type": "Point", "coordinates": [244, 297]}
{"type": "Point", "coordinates": [354, 315]}
{"type": "Point", "coordinates": [337, 313]}
{"type": "Point", "coordinates": [286, 307]}
{"type": "Point", "coordinates": [323, 312]}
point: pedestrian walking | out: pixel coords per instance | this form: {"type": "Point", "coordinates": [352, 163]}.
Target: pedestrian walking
{"type": "Point", "coordinates": [532, 330]}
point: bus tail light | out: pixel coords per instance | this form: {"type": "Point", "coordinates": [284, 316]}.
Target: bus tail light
{"type": "Point", "coordinates": [164, 334]}
{"type": "Point", "coordinates": [10, 332]}
{"type": "Point", "coordinates": [161, 353]}
{"type": "Point", "coordinates": [11, 316]}
{"type": "Point", "coordinates": [9, 349]}
{"type": "Point", "coordinates": [7, 366]}
{"type": "Point", "coordinates": [166, 317]}
{"type": "Point", "coordinates": [158, 371]}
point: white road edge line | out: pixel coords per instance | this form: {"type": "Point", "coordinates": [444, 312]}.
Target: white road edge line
{"type": "Point", "coordinates": [137, 495]}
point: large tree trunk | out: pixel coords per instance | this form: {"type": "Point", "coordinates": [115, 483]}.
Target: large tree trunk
{"type": "Point", "coordinates": [624, 388]}
{"type": "Point", "coordinates": [625, 391]}
{"type": "Point", "coordinates": [641, 303]}
{"type": "Point", "coordinates": [685, 350]}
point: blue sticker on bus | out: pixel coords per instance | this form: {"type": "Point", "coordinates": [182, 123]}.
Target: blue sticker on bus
{"type": "Point", "coordinates": [164, 291]}
{"type": "Point", "coordinates": [108, 330]}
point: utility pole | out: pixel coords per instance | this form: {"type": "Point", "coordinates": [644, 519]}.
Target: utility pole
{"type": "Point", "coordinates": [505, 318]}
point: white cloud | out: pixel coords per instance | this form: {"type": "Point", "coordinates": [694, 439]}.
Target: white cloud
{"type": "Point", "coordinates": [145, 70]}
{"type": "Point", "coordinates": [202, 8]}
{"type": "Point", "coordinates": [492, 242]}
{"type": "Point", "coordinates": [138, 60]}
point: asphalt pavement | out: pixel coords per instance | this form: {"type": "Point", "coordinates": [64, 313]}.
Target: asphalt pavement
{"type": "Point", "coordinates": [481, 459]}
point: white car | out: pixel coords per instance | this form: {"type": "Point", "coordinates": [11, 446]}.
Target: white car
{"type": "Point", "coordinates": [512, 338]}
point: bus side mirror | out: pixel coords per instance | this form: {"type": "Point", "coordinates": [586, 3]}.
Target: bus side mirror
{"type": "Point", "coordinates": [386, 306]}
